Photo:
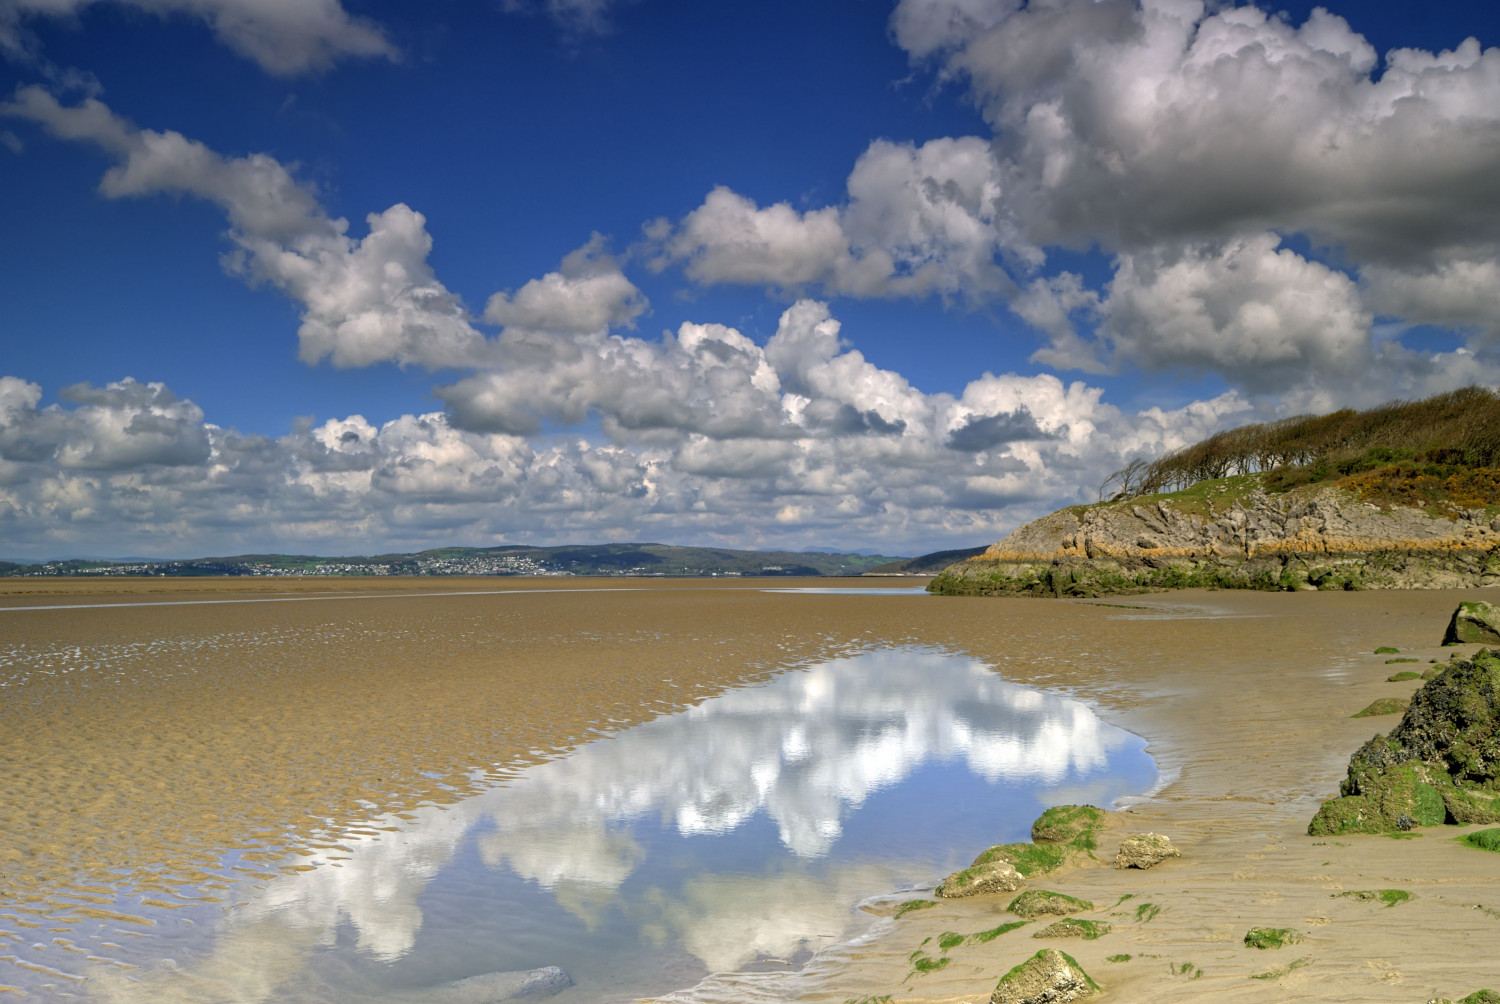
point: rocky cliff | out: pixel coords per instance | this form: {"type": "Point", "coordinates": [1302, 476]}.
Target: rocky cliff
{"type": "Point", "coordinates": [1234, 535]}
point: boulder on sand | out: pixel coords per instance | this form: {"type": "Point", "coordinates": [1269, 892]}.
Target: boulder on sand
{"type": "Point", "coordinates": [1145, 850]}
{"type": "Point", "coordinates": [998, 875]}
{"type": "Point", "coordinates": [1476, 623]}
{"type": "Point", "coordinates": [1048, 977]}
{"type": "Point", "coordinates": [1440, 764]}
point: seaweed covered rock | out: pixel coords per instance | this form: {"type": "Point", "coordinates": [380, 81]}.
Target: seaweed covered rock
{"type": "Point", "coordinates": [1474, 623]}
{"type": "Point", "coordinates": [1440, 764]}
{"type": "Point", "coordinates": [1145, 850]}
{"type": "Point", "coordinates": [1063, 824]}
{"type": "Point", "coordinates": [993, 875]}
{"type": "Point", "coordinates": [1034, 903]}
{"type": "Point", "coordinates": [1048, 977]}
{"type": "Point", "coordinates": [1073, 927]}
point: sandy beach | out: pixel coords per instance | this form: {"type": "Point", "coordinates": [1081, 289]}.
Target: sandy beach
{"type": "Point", "coordinates": [174, 726]}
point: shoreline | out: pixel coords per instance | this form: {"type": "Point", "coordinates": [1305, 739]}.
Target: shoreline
{"type": "Point", "coordinates": [1240, 819]}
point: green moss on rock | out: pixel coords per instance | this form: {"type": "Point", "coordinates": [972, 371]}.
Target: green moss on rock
{"type": "Point", "coordinates": [1266, 938]}
{"type": "Point", "coordinates": [1475, 622]}
{"type": "Point", "coordinates": [1382, 706]}
{"type": "Point", "coordinates": [1048, 977]}
{"type": "Point", "coordinates": [1034, 903]}
{"type": "Point", "coordinates": [1405, 674]}
{"type": "Point", "coordinates": [1068, 823]}
{"type": "Point", "coordinates": [1074, 927]}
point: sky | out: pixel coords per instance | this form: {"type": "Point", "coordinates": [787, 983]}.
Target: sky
{"type": "Point", "coordinates": [346, 277]}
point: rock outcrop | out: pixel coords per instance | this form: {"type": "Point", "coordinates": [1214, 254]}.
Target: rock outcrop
{"type": "Point", "coordinates": [1440, 765]}
{"type": "Point", "coordinates": [1477, 622]}
{"type": "Point", "coordinates": [1228, 538]}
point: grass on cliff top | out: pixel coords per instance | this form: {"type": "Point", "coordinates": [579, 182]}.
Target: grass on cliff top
{"type": "Point", "coordinates": [1441, 454]}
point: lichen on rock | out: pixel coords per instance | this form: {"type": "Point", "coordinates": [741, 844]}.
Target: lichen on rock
{"type": "Point", "coordinates": [1048, 977]}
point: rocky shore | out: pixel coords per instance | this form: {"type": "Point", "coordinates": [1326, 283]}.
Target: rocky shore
{"type": "Point", "coordinates": [1233, 534]}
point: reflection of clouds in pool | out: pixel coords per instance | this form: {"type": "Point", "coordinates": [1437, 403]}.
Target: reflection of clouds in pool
{"type": "Point", "coordinates": [727, 921]}
{"type": "Point", "coordinates": [805, 748]}
{"type": "Point", "coordinates": [376, 888]}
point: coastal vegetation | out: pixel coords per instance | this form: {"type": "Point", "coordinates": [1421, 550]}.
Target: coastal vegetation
{"type": "Point", "coordinates": [1441, 450]}
{"type": "Point", "coordinates": [1484, 840]}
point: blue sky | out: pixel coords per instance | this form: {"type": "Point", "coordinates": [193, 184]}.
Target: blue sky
{"type": "Point", "coordinates": [943, 264]}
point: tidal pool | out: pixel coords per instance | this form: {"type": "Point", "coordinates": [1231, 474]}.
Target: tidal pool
{"type": "Point", "coordinates": [739, 835]}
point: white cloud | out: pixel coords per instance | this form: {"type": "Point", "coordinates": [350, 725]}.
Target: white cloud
{"type": "Point", "coordinates": [1259, 314]}
{"type": "Point", "coordinates": [919, 220]}
{"type": "Point", "coordinates": [364, 300]}
{"type": "Point", "coordinates": [1185, 140]}
{"type": "Point", "coordinates": [123, 425]}
{"type": "Point", "coordinates": [285, 37]}
{"type": "Point", "coordinates": [707, 437]}
{"type": "Point", "coordinates": [588, 293]}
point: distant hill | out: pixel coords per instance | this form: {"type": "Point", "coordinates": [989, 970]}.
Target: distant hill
{"type": "Point", "coordinates": [511, 559]}
{"type": "Point", "coordinates": [927, 564]}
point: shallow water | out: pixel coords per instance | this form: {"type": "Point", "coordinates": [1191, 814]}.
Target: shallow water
{"type": "Point", "coordinates": [739, 834]}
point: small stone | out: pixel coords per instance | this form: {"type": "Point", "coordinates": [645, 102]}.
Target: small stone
{"type": "Point", "coordinates": [1048, 977]}
{"type": "Point", "coordinates": [993, 876]}
{"type": "Point", "coordinates": [1145, 851]}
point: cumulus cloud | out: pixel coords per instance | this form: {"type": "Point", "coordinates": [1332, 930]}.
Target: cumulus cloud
{"type": "Point", "coordinates": [284, 38]}
{"type": "Point", "coordinates": [1258, 313]}
{"type": "Point", "coordinates": [588, 293]}
{"type": "Point", "coordinates": [364, 300]}
{"type": "Point", "coordinates": [703, 436]}
{"type": "Point", "coordinates": [120, 426]}
{"type": "Point", "coordinates": [919, 220]}
{"type": "Point", "coordinates": [1184, 140]}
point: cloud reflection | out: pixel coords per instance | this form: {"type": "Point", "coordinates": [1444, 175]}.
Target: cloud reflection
{"type": "Point", "coordinates": [806, 749]}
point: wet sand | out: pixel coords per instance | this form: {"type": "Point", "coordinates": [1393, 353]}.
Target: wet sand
{"type": "Point", "coordinates": [170, 733]}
